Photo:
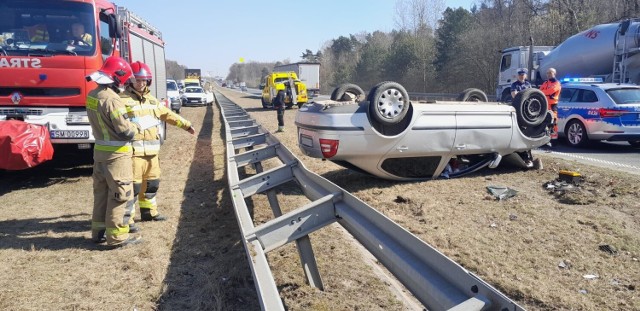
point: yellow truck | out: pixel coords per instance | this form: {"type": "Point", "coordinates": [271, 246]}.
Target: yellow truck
{"type": "Point", "coordinates": [277, 81]}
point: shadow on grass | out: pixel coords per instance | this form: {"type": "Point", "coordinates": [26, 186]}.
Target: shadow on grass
{"type": "Point", "coordinates": [34, 234]}
{"type": "Point", "coordinates": [208, 269]}
{"type": "Point", "coordinates": [66, 167]}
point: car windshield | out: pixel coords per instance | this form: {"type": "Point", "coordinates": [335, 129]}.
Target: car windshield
{"type": "Point", "coordinates": [172, 86]}
{"type": "Point", "coordinates": [279, 80]}
{"type": "Point", "coordinates": [625, 95]}
{"type": "Point", "coordinates": [190, 84]}
{"type": "Point", "coordinates": [194, 90]}
{"type": "Point", "coordinates": [49, 28]}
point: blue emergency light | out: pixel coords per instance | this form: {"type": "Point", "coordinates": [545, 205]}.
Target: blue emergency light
{"type": "Point", "coordinates": [583, 80]}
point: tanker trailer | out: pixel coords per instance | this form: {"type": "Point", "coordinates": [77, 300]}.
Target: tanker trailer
{"type": "Point", "coordinates": [607, 51]}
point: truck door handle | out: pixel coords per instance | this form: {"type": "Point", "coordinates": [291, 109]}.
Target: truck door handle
{"type": "Point", "coordinates": [461, 146]}
{"type": "Point", "coordinates": [402, 148]}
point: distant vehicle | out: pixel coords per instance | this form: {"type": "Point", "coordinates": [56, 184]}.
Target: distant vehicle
{"type": "Point", "coordinates": [194, 95]}
{"type": "Point", "coordinates": [608, 51]}
{"type": "Point", "coordinates": [309, 73]}
{"type": "Point", "coordinates": [387, 136]}
{"type": "Point", "coordinates": [592, 112]}
{"type": "Point", "coordinates": [277, 81]}
{"type": "Point", "coordinates": [192, 77]}
{"type": "Point", "coordinates": [173, 93]}
{"type": "Point", "coordinates": [243, 86]}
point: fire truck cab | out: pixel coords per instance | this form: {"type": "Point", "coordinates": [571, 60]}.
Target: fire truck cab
{"type": "Point", "coordinates": [47, 48]}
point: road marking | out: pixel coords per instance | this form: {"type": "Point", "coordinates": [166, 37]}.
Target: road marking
{"type": "Point", "coordinates": [622, 165]}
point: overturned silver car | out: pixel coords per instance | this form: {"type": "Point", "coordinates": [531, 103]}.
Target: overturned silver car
{"type": "Point", "coordinates": [386, 135]}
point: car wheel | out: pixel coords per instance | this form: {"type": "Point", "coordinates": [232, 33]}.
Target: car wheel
{"type": "Point", "coordinates": [472, 95]}
{"type": "Point", "coordinates": [531, 107]}
{"type": "Point", "coordinates": [264, 103]}
{"type": "Point", "coordinates": [388, 103]}
{"type": "Point", "coordinates": [352, 92]}
{"type": "Point", "coordinates": [634, 143]}
{"type": "Point", "coordinates": [576, 134]}
{"type": "Point", "coordinates": [300, 105]}
{"type": "Point", "coordinates": [178, 110]}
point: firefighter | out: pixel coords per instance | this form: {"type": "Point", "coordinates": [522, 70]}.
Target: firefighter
{"type": "Point", "coordinates": [80, 37]}
{"type": "Point", "coordinates": [141, 105]}
{"type": "Point", "coordinates": [38, 33]}
{"type": "Point", "coordinates": [112, 176]}
{"type": "Point", "coordinates": [279, 105]}
{"type": "Point", "coordinates": [551, 88]}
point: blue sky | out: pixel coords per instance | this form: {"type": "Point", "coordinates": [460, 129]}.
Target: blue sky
{"type": "Point", "coordinates": [212, 35]}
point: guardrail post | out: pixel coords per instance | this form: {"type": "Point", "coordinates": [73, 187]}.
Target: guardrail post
{"type": "Point", "coordinates": [303, 244]}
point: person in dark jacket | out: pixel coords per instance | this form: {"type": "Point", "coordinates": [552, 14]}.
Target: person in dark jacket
{"type": "Point", "coordinates": [521, 84]}
{"type": "Point", "coordinates": [279, 105]}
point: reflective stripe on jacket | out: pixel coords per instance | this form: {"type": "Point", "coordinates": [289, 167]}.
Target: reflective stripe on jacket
{"type": "Point", "coordinates": [110, 125]}
{"type": "Point", "coordinates": [141, 105]}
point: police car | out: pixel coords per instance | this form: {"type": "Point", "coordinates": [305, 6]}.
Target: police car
{"type": "Point", "coordinates": [589, 110]}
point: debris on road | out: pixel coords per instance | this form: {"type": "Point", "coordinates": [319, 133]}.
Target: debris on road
{"type": "Point", "coordinates": [501, 192]}
{"type": "Point", "coordinates": [611, 250]}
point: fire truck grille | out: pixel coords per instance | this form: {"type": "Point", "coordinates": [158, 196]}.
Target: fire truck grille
{"type": "Point", "coordinates": [40, 92]}
{"type": "Point", "coordinates": [11, 111]}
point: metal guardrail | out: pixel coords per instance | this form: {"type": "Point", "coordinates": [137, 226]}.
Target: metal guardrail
{"type": "Point", "coordinates": [435, 280]}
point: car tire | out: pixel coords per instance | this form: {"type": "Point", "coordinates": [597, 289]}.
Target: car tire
{"type": "Point", "coordinates": [388, 103]}
{"type": "Point", "coordinates": [472, 95]}
{"type": "Point", "coordinates": [348, 88]}
{"type": "Point", "coordinates": [178, 110]}
{"type": "Point", "coordinates": [300, 105]}
{"type": "Point", "coordinates": [576, 134]}
{"type": "Point", "coordinates": [634, 143]}
{"type": "Point", "coordinates": [264, 103]}
{"type": "Point", "coordinates": [531, 107]}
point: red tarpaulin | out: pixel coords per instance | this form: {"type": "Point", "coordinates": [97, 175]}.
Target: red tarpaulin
{"type": "Point", "coordinates": [23, 145]}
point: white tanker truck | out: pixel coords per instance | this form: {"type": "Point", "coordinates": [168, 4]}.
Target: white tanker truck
{"type": "Point", "coordinates": [607, 51]}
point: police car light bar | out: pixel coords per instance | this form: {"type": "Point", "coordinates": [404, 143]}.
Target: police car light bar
{"type": "Point", "coordinates": [583, 80]}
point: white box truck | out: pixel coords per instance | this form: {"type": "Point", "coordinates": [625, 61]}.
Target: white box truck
{"type": "Point", "coordinates": [309, 73]}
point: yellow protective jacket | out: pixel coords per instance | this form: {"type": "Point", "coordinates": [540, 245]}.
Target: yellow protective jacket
{"type": "Point", "coordinates": [141, 105]}
{"type": "Point", "coordinates": [111, 127]}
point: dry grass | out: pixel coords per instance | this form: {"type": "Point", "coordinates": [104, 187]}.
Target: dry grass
{"type": "Point", "coordinates": [196, 260]}
{"type": "Point", "coordinates": [517, 244]}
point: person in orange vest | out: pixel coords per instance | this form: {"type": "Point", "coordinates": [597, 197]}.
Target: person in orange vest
{"type": "Point", "coordinates": [145, 108]}
{"type": "Point", "coordinates": [551, 88]}
{"type": "Point", "coordinates": [112, 151]}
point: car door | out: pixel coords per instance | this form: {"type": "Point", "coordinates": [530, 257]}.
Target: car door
{"type": "Point", "coordinates": [483, 129]}
{"type": "Point", "coordinates": [422, 148]}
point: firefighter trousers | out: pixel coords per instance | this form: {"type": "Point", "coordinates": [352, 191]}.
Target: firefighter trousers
{"type": "Point", "coordinates": [112, 195]}
{"type": "Point", "coordinates": [146, 181]}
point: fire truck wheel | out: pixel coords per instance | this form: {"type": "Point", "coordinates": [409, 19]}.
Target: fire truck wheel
{"type": "Point", "coordinates": [472, 95]}
{"type": "Point", "coordinates": [388, 103]}
{"type": "Point", "coordinates": [348, 92]}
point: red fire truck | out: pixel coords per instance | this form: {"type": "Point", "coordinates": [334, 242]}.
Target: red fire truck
{"type": "Point", "coordinates": [48, 47]}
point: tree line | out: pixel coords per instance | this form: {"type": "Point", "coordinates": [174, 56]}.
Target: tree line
{"type": "Point", "coordinates": [434, 48]}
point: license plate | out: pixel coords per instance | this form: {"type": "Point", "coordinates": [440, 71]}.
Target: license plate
{"type": "Point", "coordinates": [69, 134]}
{"type": "Point", "coordinates": [306, 141]}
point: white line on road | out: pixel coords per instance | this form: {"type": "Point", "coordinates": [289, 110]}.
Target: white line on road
{"type": "Point", "coordinates": [579, 157]}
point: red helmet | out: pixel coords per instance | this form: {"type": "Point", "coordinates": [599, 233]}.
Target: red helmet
{"type": "Point", "coordinates": [142, 71]}
{"type": "Point", "coordinates": [116, 69]}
